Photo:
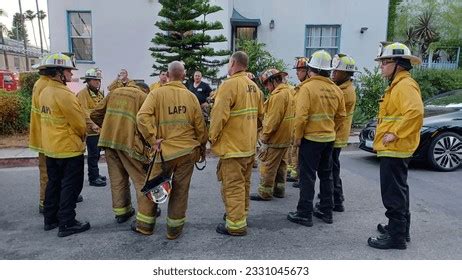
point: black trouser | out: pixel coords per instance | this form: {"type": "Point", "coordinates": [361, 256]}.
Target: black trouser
{"type": "Point", "coordinates": [338, 188]}
{"type": "Point", "coordinates": [65, 182]}
{"type": "Point", "coordinates": [93, 153]}
{"type": "Point", "coordinates": [315, 157]}
{"type": "Point", "coordinates": [395, 194]}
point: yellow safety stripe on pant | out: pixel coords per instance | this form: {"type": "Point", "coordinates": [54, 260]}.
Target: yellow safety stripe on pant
{"type": "Point", "coordinates": [145, 219]}
{"type": "Point", "coordinates": [265, 189]}
{"type": "Point", "coordinates": [236, 225]}
{"type": "Point", "coordinates": [246, 111]}
{"type": "Point", "coordinates": [131, 117]}
{"type": "Point", "coordinates": [175, 222]}
{"type": "Point", "coordinates": [281, 185]}
{"type": "Point", "coordinates": [321, 138]}
{"type": "Point", "coordinates": [320, 117]}
{"type": "Point", "coordinates": [394, 154]}
{"type": "Point", "coordinates": [41, 203]}
{"type": "Point", "coordinates": [121, 211]}
{"type": "Point", "coordinates": [290, 168]}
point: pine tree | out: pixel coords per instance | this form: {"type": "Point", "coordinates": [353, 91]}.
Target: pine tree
{"type": "Point", "coordinates": [17, 30]}
{"type": "Point", "coordinates": [185, 38]}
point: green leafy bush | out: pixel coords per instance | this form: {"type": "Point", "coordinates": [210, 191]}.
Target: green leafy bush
{"type": "Point", "coordinates": [15, 113]}
{"type": "Point", "coordinates": [27, 81]}
{"type": "Point", "coordinates": [370, 86]}
{"type": "Point", "coordinates": [434, 81]}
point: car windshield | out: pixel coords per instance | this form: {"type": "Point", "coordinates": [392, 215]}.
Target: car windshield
{"type": "Point", "coordinates": [7, 79]}
{"type": "Point", "coordinates": [451, 99]}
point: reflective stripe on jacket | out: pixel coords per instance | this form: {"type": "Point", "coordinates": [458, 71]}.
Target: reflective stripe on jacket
{"type": "Point", "coordinates": [349, 95]}
{"type": "Point", "coordinates": [279, 118]}
{"type": "Point", "coordinates": [320, 110]}
{"type": "Point", "coordinates": [233, 126]}
{"type": "Point", "coordinates": [62, 122]}
{"type": "Point", "coordinates": [116, 115]}
{"type": "Point", "coordinates": [401, 113]}
{"type": "Point", "coordinates": [172, 113]}
{"type": "Point", "coordinates": [35, 135]}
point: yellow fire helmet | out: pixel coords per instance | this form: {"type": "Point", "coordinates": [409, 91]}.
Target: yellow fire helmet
{"type": "Point", "coordinates": [320, 60]}
{"type": "Point", "coordinates": [396, 50]}
{"type": "Point", "coordinates": [343, 62]}
{"type": "Point", "coordinates": [57, 60]}
{"type": "Point", "coordinates": [92, 74]}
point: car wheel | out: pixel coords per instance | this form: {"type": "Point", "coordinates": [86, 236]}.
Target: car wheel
{"type": "Point", "coordinates": [445, 152]}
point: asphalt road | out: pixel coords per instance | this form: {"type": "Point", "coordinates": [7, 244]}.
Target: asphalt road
{"type": "Point", "coordinates": [435, 205]}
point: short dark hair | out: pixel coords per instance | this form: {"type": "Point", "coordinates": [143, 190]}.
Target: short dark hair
{"type": "Point", "coordinates": [51, 72]}
{"type": "Point", "coordinates": [241, 58]}
{"type": "Point", "coordinates": [143, 86]}
{"type": "Point", "coordinates": [324, 73]}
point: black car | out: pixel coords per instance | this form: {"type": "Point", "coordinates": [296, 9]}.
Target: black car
{"type": "Point", "coordinates": [440, 137]}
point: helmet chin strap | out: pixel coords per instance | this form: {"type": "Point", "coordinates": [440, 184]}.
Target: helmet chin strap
{"type": "Point", "coordinates": [392, 77]}
{"type": "Point", "coordinates": [61, 76]}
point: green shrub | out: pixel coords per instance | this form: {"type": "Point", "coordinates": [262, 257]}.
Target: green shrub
{"type": "Point", "coordinates": [27, 81]}
{"type": "Point", "coordinates": [370, 86]}
{"type": "Point", "coordinates": [434, 81]}
{"type": "Point", "coordinates": [16, 106]}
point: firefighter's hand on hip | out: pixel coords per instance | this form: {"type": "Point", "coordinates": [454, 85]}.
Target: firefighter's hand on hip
{"type": "Point", "coordinates": [388, 138]}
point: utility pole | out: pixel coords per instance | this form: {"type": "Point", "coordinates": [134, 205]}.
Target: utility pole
{"type": "Point", "coordinates": [40, 28]}
{"type": "Point", "coordinates": [24, 35]}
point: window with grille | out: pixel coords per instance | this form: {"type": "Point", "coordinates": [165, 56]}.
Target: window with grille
{"type": "Point", "coordinates": [322, 37]}
{"type": "Point", "coordinates": [80, 35]}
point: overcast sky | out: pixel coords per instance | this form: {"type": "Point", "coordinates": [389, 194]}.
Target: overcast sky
{"type": "Point", "coordinates": [12, 6]}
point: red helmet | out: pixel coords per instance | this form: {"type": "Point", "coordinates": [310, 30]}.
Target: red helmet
{"type": "Point", "coordinates": [272, 72]}
{"type": "Point", "coordinates": [301, 62]}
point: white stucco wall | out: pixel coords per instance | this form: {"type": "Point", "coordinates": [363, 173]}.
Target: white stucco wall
{"type": "Point", "coordinates": [287, 39]}
{"type": "Point", "coordinates": [122, 30]}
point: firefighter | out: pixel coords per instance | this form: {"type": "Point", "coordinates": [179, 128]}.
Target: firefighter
{"type": "Point", "coordinates": [343, 69]}
{"type": "Point", "coordinates": [63, 130]}
{"type": "Point", "coordinates": [35, 136]}
{"type": "Point", "coordinates": [233, 134]}
{"type": "Point", "coordinates": [320, 110]}
{"type": "Point", "coordinates": [89, 98]}
{"type": "Point", "coordinates": [163, 79]}
{"type": "Point", "coordinates": [171, 121]}
{"type": "Point", "coordinates": [125, 149]}
{"type": "Point", "coordinates": [121, 81]}
{"type": "Point", "coordinates": [301, 68]}
{"type": "Point", "coordinates": [397, 136]}
{"type": "Point", "coordinates": [278, 119]}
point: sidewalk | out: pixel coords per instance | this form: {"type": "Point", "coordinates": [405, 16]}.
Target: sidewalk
{"type": "Point", "coordinates": [18, 157]}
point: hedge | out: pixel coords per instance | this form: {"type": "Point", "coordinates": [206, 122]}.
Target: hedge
{"type": "Point", "coordinates": [370, 86]}
{"type": "Point", "coordinates": [15, 106]}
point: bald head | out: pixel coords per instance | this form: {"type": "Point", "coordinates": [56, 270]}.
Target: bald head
{"type": "Point", "coordinates": [175, 71]}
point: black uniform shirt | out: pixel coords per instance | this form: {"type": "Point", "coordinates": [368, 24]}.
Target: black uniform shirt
{"type": "Point", "coordinates": [202, 91]}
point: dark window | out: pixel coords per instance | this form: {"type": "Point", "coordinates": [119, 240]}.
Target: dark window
{"type": "Point", "coordinates": [243, 33]}
{"type": "Point", "coordinates": [322, 37]}
{"type": "Point", "coordinates": [80, 35]}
